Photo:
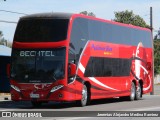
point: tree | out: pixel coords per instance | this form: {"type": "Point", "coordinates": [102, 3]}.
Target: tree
{"type": "Point", "coordinates": [88, 13]}
{"type": "Point", "coordinates": [157, 36]}
{"type": "Point", "coordinates": [129, 17]}
{"type": "Point", "coordinates": [157, 53]}
{"type": "Point", "coordinates": [3, 41]}
{"type": "Point", "coordinates": [157, 57]}
{"type": "Point", "coordinates": [1, 35]}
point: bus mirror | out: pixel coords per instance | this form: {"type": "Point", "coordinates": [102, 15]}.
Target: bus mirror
{"type": "Point", "coordinates": [8, 70]}
{"type": "Point", "coordinates": [72, 69]}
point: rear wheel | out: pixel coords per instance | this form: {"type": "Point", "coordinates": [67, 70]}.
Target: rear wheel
{"type": "Point", "coordinates": [138, 92]}
{"type": "Point", "coordinates": [133, 92]}
{"type": "Point", "coordinates": [132, 95]}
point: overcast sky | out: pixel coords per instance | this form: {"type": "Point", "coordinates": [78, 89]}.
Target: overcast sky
{"type": "Point", "coordinates": [101, 8]}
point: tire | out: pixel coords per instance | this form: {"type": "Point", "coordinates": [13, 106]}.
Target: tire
{"type": "Point", "coordinates": [36, 104]}
{"type": "Point", "coordinates": [133, 92]}
{"type": "Point", "coordinates": [85, 97]}
{"type": "Point", "coordinates": [138, 95]}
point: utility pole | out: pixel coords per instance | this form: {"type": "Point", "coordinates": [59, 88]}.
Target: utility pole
{"type": "Point", "coordinates": [151, 20]}
{"type": "Point", "coordinates": [151, 27]}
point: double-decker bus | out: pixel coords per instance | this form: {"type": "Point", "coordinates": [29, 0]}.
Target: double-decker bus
{"type": "Point", "coordinates": [73, 57]}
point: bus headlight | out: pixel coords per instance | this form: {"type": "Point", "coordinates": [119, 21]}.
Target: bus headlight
{"type": "Point", "coordinates": [15, 88]}
{"type": "Point", "coordinates": [55, 88]}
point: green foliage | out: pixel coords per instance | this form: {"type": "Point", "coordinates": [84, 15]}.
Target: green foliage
{"type": "Point", "coordinates": [1, 35]}
{"type": "Point", "coordinates": [129, 17]}
{"type": "Point", "coordinates": [88, 13]}
{"type": "Point", "coordinates": [3, 41]}
{"type": "Point", "coordinates": [157, 56]}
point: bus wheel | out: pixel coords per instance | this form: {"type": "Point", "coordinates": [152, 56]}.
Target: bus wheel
{"type": "Point", "coordinates": [133, 92]}
{"type": "Point", "coordinates": [85, 96]}
{"type": "Point", "coordinates": [138, 92]}
{"type": "Point", "coordinates": [36, 104]}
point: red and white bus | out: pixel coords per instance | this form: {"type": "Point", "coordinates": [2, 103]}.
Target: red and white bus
{"type": "Point", "coordinates": [73, 57]}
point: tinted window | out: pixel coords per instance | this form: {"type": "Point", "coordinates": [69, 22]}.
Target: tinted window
{"type": "Point", "coordinates": [95, 30]}
{"type": "Point", "coordinates": [41, 30]}
{"type": "Point", "coordinates": [103, 67]}
{"type": "Point", "coordinates": [101, 31]}
{"type": "Point", "coordinates": [106, 32]}
{"type": "Point", "coordinates": [79, 35]}
{"type": "Point", "coordinates": [38, 66]}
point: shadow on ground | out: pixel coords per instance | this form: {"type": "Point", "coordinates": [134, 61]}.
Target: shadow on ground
{"type": "Point", "coordinates": [55, 105]}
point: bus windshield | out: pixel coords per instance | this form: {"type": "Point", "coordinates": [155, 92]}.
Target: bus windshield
{"type": "Point", "coordinates": [38, 66]}
{"type": "Point", "coordinates": [41, 30]}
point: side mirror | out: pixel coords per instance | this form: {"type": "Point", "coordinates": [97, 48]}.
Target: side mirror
{"type": "Point", "coordinates": [71, 69]}
{"type": "Point", "coordinates": [8, 70]}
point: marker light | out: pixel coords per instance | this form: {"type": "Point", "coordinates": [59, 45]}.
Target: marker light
{"type": "Point", "coordinates": [15, 88]}
{"type": "Point", "coordinates": [55, 88]}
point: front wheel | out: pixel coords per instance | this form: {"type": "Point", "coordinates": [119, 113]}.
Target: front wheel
{"type": "Point", "coordinates": [85, 96]}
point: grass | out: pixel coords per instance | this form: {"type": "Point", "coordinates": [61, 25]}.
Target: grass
{"type": "Point", "coordinates": [157, 84]}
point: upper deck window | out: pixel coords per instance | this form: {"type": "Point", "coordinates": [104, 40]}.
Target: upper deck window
{"type": "Point", "coordinates": [41, 30]}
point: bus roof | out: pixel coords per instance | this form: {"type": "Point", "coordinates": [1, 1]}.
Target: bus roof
{"type": "Point", "coordinates": [49, 15]}
{"type": "Point", "coordinates": [112, 22]}
{"type": "Point", "coordinates": [62, 15]}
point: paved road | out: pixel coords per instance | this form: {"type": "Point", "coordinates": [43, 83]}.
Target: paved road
{"type": "Point", "coordinates": [147, 103]}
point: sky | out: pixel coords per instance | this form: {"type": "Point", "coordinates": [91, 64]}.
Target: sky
{"type": "Point", "coordinates": [101, 8]}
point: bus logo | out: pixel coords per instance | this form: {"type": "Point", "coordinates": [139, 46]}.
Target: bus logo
{"type": "Point", "coordinates": [107, 49]}
{"type": "Point", "coordinates": [97, 47]}
{"type": "Point", "coordinates": [34, 53]}
{"type": "Point", "coordinates": [6, 114]}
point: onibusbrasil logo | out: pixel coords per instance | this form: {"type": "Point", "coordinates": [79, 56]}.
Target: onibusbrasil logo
{"type": "Point", "coordinates": [21, 114]}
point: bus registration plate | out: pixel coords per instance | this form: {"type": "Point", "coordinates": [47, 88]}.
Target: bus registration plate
{"type": "Point", "coordinates": [34, 95]}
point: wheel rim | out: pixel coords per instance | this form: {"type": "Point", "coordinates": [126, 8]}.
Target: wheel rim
{"type": "Point", "coordinates": [84, 95]}
{"type": "Point", "coordinates": [139, 91]}
{"type": "Point", "coordinates": [133, 91]}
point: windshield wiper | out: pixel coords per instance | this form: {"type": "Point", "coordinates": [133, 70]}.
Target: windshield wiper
{"type": "Point", "coordinates": [53, 76]}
